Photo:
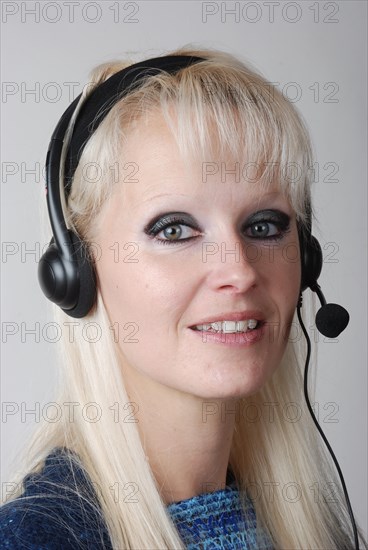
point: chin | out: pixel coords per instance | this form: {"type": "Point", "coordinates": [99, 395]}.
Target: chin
{"type": "Point", "coordinates": [228, 390]}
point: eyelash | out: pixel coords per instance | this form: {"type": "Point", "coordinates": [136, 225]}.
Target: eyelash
{"type": "Point", "coordinates": [161, 225]}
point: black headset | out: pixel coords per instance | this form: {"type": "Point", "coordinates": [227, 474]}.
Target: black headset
{"type": "Point", "coordinates": [65, 271]}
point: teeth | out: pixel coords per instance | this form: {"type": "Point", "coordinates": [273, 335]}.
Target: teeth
{"type": "Point", "coordinates": [229, 326]}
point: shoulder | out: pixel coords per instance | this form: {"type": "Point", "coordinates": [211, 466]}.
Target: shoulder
{"type": "Point", "coordinates": [56, 510]}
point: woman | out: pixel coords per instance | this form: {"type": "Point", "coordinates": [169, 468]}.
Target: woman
{"type": "Point", "coordinates": [173, 432]}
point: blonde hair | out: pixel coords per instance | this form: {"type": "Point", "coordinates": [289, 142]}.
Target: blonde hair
{"type": "Point", "coordinates": [224, 103]}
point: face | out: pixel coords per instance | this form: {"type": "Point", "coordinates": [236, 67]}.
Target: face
{"type": "Point", "coordinates": [168, 262]}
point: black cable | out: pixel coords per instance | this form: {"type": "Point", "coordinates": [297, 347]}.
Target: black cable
{"type": "Point", "coordinates": [318, 426]}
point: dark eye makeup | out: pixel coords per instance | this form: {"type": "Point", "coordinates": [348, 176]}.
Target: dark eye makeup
{"type": "Point", "coordinates": [263, 225]}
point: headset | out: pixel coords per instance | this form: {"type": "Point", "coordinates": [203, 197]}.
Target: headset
{"type": "Point", "coordinates": [65, 271]}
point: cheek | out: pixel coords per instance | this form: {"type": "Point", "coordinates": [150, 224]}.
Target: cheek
{"type": "Point", "coordinates": [289, 265]}
{"type": "Point", "coordinates": [139, 289]}
{"type": "Point", "coordinates": [290, 278]}
{"type": "Point", "coordinates": [291, 269]}
{"type": "Point", "coordinates": [144, 302]}
{"type": "Point", "coordinates": [283, 274]}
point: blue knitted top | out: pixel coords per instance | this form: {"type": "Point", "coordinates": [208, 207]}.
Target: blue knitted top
{"type": "Point", "coordinates": [52, 517]}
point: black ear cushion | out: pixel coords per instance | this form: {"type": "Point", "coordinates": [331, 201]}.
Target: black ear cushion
{"type": "Point", "coordinates": [316, 262]}
{"type": "Point", "coordinates": [87, 279]}
{"type": "Point", "coordinates": [311, 260]}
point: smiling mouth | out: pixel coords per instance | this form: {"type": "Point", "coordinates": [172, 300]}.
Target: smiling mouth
{"type": "Point", "coordinates": [226, 327]}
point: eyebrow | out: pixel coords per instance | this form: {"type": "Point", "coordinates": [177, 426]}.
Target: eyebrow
{"type": "Point", "coordinates": [164, 195]}
{"type": "Point", "coordinates": [183, 195]}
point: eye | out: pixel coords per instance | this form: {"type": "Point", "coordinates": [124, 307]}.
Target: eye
{"type": "Point", "coordinates": [173, 232]}
{"type": "Point", "coordinates": [171, 228]}
{"type": "Point", "coordinates": [268, 225]}
{"type": "Point", "coordinates": [264, 230]}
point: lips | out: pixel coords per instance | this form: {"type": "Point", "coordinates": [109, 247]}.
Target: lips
{"type": "Point", "coordinates": [232, 316]}
{"type": "Point", "coordinates": [233, 339]}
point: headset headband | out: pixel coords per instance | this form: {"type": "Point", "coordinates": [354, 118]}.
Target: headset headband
{"type": "Point", "coordinates": [107, 94]}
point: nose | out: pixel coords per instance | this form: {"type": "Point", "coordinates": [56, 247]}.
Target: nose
{"type": "Point", "coordinates": [232, 264]}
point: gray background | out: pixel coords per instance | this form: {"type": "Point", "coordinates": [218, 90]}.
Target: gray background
{"type": "Point", "coordinates": [305, 50]}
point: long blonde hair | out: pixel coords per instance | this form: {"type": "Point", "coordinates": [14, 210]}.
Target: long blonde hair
{"type": "Point", "coordinates": [221, 100]}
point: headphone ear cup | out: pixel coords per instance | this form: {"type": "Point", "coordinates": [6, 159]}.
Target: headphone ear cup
{"type": "Point", "coordinates": [86, 295]}
{"type": "Point", "coordinates": [51, 274]}
{"type": "Point", "coordinates": [311, 260]}
{"type": "Point", "coordinates": [70, 285]}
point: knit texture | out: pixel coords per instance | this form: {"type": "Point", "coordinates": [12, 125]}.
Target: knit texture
{"type": "Point", "coordinates": [52, 517]}
{"type": "Point", "coordinates": [217, 521]}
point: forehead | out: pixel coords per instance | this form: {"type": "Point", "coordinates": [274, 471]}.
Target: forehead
{"type": "Point", "coordinates": [160, 171]}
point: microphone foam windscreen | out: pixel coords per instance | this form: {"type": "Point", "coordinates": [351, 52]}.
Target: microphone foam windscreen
{"type": "Point", "coordinates": [331, 320]}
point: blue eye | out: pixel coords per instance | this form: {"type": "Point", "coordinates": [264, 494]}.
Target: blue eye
{"type": "Point", "coordinates": [172, 230]}
{"type": "Point", "coordinates": [264, 230]}
{"type": "Point", "coordinates": [268, 225]}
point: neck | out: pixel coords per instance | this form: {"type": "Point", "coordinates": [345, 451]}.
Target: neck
{"type": "Point", "coordinates": [187, 439]}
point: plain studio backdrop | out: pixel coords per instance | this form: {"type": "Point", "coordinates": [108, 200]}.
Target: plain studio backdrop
{"type": "Point", "coordinates": [315, 52]}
